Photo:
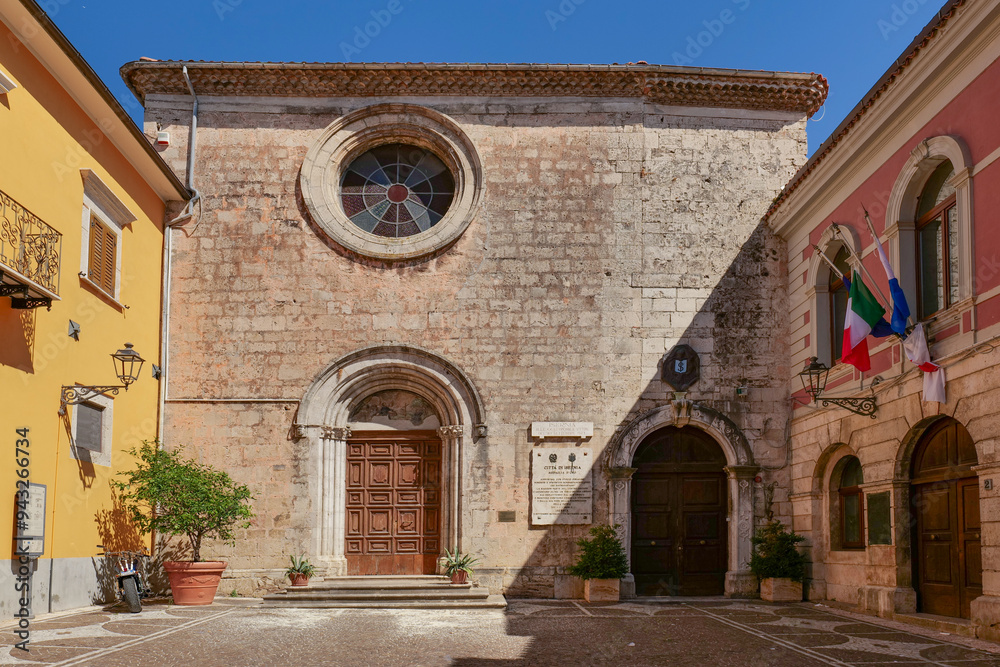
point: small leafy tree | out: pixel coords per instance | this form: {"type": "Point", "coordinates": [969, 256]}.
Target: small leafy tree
{"type": "Point", "coordinates": [174, 495]}
{"type": "Point", "coordinates": [602, 556]}
{"type": "Point", "coordinates": [775, 555]}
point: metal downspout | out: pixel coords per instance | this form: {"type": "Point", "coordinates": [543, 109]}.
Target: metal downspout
{"type": "Point", "coordinates": [185, 215]}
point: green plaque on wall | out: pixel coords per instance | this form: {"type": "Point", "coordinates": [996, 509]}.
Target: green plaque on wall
{"type": "Point", "coordinates": [879, 518]}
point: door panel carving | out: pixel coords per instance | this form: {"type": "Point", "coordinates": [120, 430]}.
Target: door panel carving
{"type": "Point", "coordinates": [393, 502]}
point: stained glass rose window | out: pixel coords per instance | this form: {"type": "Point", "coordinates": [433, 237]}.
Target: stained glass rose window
{"type": "Point", "coordinates": [396, 190]}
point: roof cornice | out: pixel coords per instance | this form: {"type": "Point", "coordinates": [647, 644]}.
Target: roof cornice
{"type": "Point", "coordinates": [657, 84]}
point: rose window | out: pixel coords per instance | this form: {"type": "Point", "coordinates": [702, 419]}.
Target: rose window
{"type": "Point", "coordinates": [396, 190]}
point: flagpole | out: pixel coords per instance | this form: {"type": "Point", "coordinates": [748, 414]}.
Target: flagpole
{"type": "Point", "coordinates": [871, 229]}
{"type": "Point", "coordinates": [885, 301]}
{"type": "Point", "coordinates": [829, 262]}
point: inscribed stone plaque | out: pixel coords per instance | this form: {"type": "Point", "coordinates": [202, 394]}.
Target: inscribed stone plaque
{"type": "Point", "coordinates": [879, 518]}
{"type": "Point", "coordinates": [562, 429]}
{"type": "Point", "coordinates": [561, 486]}
{"type": "Point", "coordinates": [507, 516]}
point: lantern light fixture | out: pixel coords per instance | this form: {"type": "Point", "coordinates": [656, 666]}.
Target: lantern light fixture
{"type": "Point", "coordinates": [814, 376]}
{"type": "Point", "coordinates": [128, 364]}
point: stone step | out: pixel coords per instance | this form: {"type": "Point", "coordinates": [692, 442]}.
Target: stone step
{"type": "Point", "coordinates": [394, 591]}
{"type": "Point", "coordinates": [491, 602]}
{"type": "Point", "coordinates": [473, 594]}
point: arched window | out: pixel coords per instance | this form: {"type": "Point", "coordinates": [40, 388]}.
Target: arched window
{"type": "Point", "coordinates": [852, 518]}
{"type": "Point", "coordinates": [838, 304]}
{"type": "Point", "coordinates": [847, 523]}
{"type": "Point", "coordinates": [937, 243]}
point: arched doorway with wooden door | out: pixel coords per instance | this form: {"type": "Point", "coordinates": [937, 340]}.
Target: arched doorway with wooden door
{"type": "Point", "coordinates": [679, 514]}
{"type": "Point", "coordinates": [393, 486]}
{"type": "Point", "coordinates": [947, 561]}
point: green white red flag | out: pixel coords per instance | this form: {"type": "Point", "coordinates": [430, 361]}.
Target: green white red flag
{"type": "Point", "coordinates": [863, 313]}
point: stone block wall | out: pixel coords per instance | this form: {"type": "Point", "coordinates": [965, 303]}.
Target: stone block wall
{"type": "Point", "coordinates": [608, 231]}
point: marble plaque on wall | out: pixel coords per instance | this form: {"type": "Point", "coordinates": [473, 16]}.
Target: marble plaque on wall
{"type": "Point", "coordinates": [561, 486]}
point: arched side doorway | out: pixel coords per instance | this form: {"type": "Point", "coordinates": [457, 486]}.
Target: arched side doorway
{"type": "Point", "coordinates": [739, 468]}
{"type": "Point", "coordinates": [386, 429]}
{"type": "Point", "coordinates": [947, 559]}
{"type": "Point", "coordinates": [679, 507]}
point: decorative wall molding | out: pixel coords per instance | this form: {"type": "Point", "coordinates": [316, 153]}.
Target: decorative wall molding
{"type": "Point", "coordinates": [657, 84]}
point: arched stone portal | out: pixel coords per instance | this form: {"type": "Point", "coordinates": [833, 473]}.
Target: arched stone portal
{"type": "Point", "coordinates": [323, 421]}
{"type": "Point", "coordinates": [740, 470]}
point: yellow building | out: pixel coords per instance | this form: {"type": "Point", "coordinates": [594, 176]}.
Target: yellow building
{"type": "Point", "coordinates": [84, 198]}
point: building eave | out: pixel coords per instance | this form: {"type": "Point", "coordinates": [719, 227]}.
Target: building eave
{"type": "Point", "coordinates": [658, 84]}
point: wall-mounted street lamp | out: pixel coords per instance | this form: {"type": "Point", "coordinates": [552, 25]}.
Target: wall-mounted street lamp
{"type": "Point", "coordinates": [814, 376]}
{"type": "Point", "coordinates": [128, 363]}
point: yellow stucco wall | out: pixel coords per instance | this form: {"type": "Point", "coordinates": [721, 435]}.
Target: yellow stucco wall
{"type": "Point", "coordinates": [45, 140]}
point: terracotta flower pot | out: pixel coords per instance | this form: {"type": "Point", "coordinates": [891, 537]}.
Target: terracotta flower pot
{"type": "Point", "coordinates": [460, 577]}
{"type": "Point", "coordinates": [299, 579]}
{"type": "Point", "coordinates": [194, 583]}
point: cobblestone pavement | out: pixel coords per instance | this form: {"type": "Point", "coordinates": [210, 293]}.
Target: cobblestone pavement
{"type": "Point", "coordinates": [530, 632]}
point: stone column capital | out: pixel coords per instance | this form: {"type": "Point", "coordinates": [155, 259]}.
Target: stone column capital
{"type": "Point", "coordinates": [742, 472]}
{"type": "Point", "coordinates": [336, 433]}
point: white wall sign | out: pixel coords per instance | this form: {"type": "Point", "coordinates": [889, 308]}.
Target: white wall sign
{"type": "Point", "coordinates": [31, 529]}
{"type": "Point", "coordinates": [561, 486]}
{"type": "Point", "coordinates": [562, 429]}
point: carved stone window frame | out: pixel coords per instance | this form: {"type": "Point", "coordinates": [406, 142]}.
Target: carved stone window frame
{"type": "Point", "coordinates": [900, 217]}
{"type": "Point", "coordinates": [819, 291]}
{"type": "Point", "coordinates": [353, 134]}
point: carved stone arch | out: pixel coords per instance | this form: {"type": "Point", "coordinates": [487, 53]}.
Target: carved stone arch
{"type": "Point", "coordinates": [901, 211]}
{"type": "Point", "coordinates": [904, 454]}
{"type": "Point", "coordinates": [741, 470]}
{"type": "Point", "coordinates": [322, 421]}
{"type": "Point", "coordinates": [682, 413]}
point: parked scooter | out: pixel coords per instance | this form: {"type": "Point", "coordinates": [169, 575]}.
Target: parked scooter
{"type": "Point", "coordinates": [133, 584]}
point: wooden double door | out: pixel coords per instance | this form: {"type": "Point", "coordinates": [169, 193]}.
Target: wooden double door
{"type": "Point", "coordinates": [393, 522]}
{"type": "Point", "coordinates": [679, 508]}
{"type": "Point", "coordinates": [948, 566]}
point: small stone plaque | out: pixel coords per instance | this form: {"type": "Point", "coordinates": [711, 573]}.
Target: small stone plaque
{"type": "Point", "coordinates": [562, 429]}
{"type": "Point", "coordinates": [507, 516]}
{"type": "Point", "coordinates": [879, 518]}
{"type": "Point", "coordinates": [561, 486]}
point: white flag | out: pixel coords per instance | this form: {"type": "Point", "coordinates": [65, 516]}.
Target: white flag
{"type": "Point", "coordinates": [915, 346]}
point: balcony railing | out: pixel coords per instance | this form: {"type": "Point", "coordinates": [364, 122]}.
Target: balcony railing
{"type": "Point", "coordinates": [29, 256]}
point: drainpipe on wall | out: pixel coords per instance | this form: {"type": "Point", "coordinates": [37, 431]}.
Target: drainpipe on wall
{"type": "Point", "coordinates": [185, 215]}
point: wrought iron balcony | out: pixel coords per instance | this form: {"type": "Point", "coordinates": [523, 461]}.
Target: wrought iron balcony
{"type": "Point", "coordinates": [29, 257]}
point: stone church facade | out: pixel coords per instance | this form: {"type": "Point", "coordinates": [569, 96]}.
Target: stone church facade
{"type": "Point", "coordinates": [404, 283]}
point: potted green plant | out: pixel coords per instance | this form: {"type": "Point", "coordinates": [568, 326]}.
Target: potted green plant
{"type": "Point", "coordinates": [778, 563]}
{"type": "Point", "coordinates": [177, 496]}
{"type": "Point", "coordinates": [300, 571]}
{"type": "Point", "coordinates": [458, 566]}
{"type": "Point", "coordinates": [602, 564]}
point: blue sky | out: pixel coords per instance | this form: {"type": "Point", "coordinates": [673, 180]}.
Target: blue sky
{"type": "Point", "coordinates": [851, 42]}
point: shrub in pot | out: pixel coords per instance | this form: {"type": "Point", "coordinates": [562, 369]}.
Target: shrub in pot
{"type": "Point", "coordinates": [177, 496]}
{"type": "Point", "coordinates": [602, 564]}
{"type": "Point", "coordinates": [300, 571]}
{"type": "Point", "coordinates": [778, 563]}
{"type": "Point", "coordinates": [458, 566]}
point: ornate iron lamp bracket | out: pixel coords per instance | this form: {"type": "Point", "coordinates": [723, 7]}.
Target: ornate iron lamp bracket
{"type": "Point", "coordinates": [866, 407]}
{"type": "Point", "coordinates": [77, 395]}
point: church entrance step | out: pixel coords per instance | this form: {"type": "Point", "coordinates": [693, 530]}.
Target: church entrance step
{"type": "Point", "coordinates": [386, 592]}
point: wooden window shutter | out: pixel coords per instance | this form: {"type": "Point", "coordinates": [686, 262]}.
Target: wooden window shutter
{"type": "Point", "coordinates": [101, 267]}
{"type": "Point", "coordinates": [110, 260]}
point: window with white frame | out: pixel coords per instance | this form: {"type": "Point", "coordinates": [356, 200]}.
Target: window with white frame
{"type": "Point", "coordinates": [929, 227]}
{"type": "Point", "coordinates": [104, 218]}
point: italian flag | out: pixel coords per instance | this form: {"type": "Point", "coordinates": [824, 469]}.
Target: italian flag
{"type": "Point", "coordinates": [863, 312]}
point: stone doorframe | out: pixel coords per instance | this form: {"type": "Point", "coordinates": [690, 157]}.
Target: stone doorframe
{"type": "Point", "coordinates": [322, 424]}
{"type": "Point", "coordinates": [741, 470]}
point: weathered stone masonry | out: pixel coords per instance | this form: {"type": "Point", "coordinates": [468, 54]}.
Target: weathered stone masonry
{"type": "Point", "coordinates": [609, 228]}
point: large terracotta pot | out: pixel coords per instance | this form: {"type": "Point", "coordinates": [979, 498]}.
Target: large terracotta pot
{"type": "Point", "coordinates": [194, 583]}
{"type": "Point", "coordinates": [299, 579]}
{"type": "Point", "coordinates": [459, 577]}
